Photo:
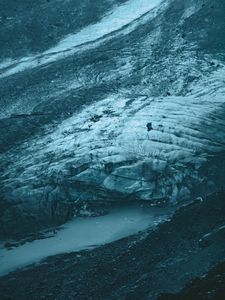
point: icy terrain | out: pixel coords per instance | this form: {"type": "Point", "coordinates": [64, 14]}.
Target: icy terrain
{"type": "Point", "coordinates": [112, 118]}
{"type": "Point", "coordinates": [116, 19]}
{"type": "Point", "coordinates": [138, 116]}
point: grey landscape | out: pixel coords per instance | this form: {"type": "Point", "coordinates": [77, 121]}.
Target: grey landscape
{"type": "Point", "coordinates": [112, 149]}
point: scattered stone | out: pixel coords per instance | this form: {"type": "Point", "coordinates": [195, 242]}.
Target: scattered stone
{"type": "Point", "coordinates": [149, 126]}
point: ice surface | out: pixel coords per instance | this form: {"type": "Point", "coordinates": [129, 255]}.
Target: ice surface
{"type": "Point", "coordinates": [187, 131]}
{"type": "Point", "coordinates": [118, 18]}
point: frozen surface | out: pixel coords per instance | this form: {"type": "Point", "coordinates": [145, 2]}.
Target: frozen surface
{"type": "Point", "coordinates": [79, 126]}
{"type": "Point", "coordinates": [82, 233]}
{"type": "Point", "coordinates": [115, 20]}
{"type": "Point", "coordinates": [112, 132]}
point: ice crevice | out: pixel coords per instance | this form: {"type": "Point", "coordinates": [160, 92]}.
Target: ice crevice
{"type": "Point", "coordinates": [116, 152]}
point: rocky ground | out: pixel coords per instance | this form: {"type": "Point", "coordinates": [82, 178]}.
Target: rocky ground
{"type": "Point", "coordinates": [113, 101]}
{"type": "Point", "coordinates": [210, 286]}
{"type": "Point", "coordinates": [143, 266]}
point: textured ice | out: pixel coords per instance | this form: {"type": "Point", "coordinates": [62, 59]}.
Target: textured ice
{"type": "Point", "coordinates": [162, 163]}
{"type": "Point", "coordinates": [147, 72]}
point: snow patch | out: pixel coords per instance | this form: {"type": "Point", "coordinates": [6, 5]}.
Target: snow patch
{"type": "Point", "coordinates": [120, 17]}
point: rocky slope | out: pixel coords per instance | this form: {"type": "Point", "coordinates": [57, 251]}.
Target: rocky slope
{"type": "Point", "coordinates": [210, 286]}
{"type": "Point", "coordinates": [143, 266]}
{"type": "Point", "coordinates": [134, 112]}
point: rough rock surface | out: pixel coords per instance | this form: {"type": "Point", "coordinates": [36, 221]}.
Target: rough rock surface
{"type": "Point", "coordinates": [143, 266]}
{"type": "Point", "coordinates": [209, 286]}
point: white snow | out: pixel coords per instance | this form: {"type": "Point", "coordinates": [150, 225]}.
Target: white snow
{"type": "Point", "coordinates": [82, 233]}
{"type": "Point", "coordinates": [186, 130]}
{"type": "Point", "coordinates": [115, 20]}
